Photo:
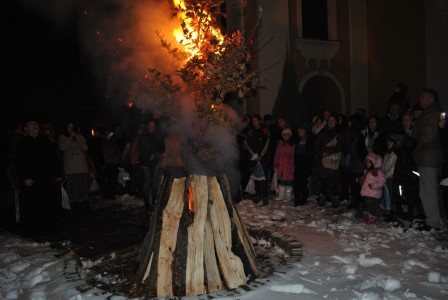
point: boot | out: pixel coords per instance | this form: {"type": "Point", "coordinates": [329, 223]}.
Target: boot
{"type": "Point", "coordinates": [360, 211]}
{"type": "Point", "coordinates": [281, 192]}
{"type": "Point", "coordinates": [322, 199]}
{"type": "Point", "coordinates": [265, 199]}
{"type": "Point", "coordinates": [288, 194]}
{"type": "Point", "coordinates": [335, 201]}
{"type": "Point", "coordinates": [86, 206]}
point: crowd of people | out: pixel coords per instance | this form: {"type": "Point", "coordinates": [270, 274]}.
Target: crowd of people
{"type": "Point", "coordinates": [388, 168]}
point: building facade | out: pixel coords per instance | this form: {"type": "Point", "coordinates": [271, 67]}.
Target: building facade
{"type": "Point", "coordinates": [348, 54]}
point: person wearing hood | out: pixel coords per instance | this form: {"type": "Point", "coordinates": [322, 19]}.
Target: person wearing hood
{"type": "Point", "coordinates": [372, 183]}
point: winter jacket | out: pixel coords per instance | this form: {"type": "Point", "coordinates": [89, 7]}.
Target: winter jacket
{"type": "Point", "coordinates": [389, 165]}
{"type": "Point", "coordinates": [373, 180]}
{"type": "Point", "coordinates": [111, 152]}
{"type": "Point", "coordinates": [304, 156]}
{"type": "Point", "coordinates": [354, 152]}
{"type": "Point", "coordinates": [324, 137]}
{"type": "Point", "coordinates": [73, 154]}
{"type": "Point", "coordinates": [257, 143]}
{"type": "Point", "coordinates": [36, 158]}
{"type": "Point", "coordinates": [151, 146]}
{"type": "Point", "coordinates": [370, 140]}
{"type": "Point", "coordinates": [428, 151]}
{"type": "Point", "coordinates": [405, 164]}
{"type": "Point", "coordinates": [284, 160]}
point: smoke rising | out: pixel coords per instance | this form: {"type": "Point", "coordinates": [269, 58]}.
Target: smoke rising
{"type": "Point", "coordinates": [119, 38]}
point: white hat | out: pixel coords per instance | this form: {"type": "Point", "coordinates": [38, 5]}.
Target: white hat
{"type": "Point", "coordinates": [287, 130]}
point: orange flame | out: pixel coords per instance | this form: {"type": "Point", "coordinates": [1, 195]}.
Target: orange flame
{"type": "Point", "coordinates": [190, 199]}
{"type": "Point", "coordinates": [92, 132]}
{"type": "Point", "coordinates": [196, 37]}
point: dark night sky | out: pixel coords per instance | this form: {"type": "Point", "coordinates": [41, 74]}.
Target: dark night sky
{"type": "Point", "coordinates": [43, 65]}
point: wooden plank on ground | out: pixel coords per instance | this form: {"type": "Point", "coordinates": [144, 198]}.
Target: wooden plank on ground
{"type": "Point", "coordinates": [195, 253]}
{"type": "Point", "coordinates": [231, 265]}
{"type": "Point", "coordinates": [168, 238]}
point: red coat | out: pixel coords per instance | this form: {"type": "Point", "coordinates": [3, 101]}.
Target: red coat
{"type": "Point", "coordinates": [284, 161]}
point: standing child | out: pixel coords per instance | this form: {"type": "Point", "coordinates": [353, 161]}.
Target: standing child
{"type": "Point", "coordinates": [372, 183]}
{"type": "Point", "coordinates": [284, 165]}
{"type": "Point", "coordinates": [388, 168]}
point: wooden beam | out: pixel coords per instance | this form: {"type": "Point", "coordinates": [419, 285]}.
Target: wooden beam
{"type": "Point", "coordinates": [243, 234]}
{"type": "Point", "coordinates": [231, 265]}
{"type": "Point", "coordinates": [168, 238]}
{"type": "Point", "coordinates": [214, 282]}
{"type": "Point", "coordinates": [195, 252]}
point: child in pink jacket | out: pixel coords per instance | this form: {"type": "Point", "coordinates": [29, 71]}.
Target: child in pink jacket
{"type": "Point", "coordinates": [372, 183]}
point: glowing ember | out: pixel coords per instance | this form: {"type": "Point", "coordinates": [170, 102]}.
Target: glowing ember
{"type": "Point", "coordinates": [130, 104]}
{"type": "Point", "coordinates": [92, 132]}
{"type": "Point", "coordinates": [190, 199]}
{"type": "Point", "coordinates": [194, 34]}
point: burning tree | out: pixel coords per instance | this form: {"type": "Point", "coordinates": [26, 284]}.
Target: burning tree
{"type": "Point", "coordinates": [196, 242]}
{"type": "Point", "coordinates": [212, 64]}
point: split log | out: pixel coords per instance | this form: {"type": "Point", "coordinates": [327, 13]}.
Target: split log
{"type": "Point", "coordinates": [243, 234]}
{"type": "Point", "coordinates": [168, 238]}
{"type": "Point", "coordinates": [145, 257]}
{"type": "Point", "coordinates": [214, 282]}
{"type": "Point", "coordinates": [198, 250]}
{"type": "Point", "coordinates": [195, 253]}
{"type": "Point", "coordinates": [231, 266]}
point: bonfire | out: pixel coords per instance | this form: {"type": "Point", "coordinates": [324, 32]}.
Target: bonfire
{"type": "Point", "coordinates": [196, 242]}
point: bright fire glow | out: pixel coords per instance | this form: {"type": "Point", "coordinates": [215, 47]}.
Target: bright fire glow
{"type": "Point", "coordinates": [92, 132]}
{"type": "Point", "coordinates": [190, 199]}
{"type": "Point", "coordinates": [193, 44]}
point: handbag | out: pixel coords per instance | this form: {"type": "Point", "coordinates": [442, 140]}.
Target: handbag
{"type": "Point", "coordinates": [385, 199]}
{"type": "Point", "coordinates": [274, 182]}
{"type": "Point", "coordinates": [258, 173]}
{"type": "Point", "coordinates": [333, 160]}
{"type": "Point", "coordinates": [65, 199]}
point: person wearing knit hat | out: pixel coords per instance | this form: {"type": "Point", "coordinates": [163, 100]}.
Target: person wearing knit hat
{"type": "Point", "coordinates": [287, 131]}
{"type": "Point", "coordinates": [284, 165]}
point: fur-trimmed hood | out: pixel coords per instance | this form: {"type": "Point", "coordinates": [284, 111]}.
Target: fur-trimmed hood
{"type": "Point", "coordinates": [376, 160]}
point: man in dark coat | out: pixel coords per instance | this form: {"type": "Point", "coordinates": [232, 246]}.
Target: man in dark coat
{"type": "Point", "coordinates": [257, 145]}
{"type": "Point", "coordinates": [428, 155]}
{"type": "Point", "coordinates": [39, 171]}
{"type": "Point", "coordinates": [151, 146]}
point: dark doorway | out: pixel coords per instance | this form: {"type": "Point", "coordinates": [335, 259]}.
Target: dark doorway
{"type": "Point", "coordinates": [321, 93]}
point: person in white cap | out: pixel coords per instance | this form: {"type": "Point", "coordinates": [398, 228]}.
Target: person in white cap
{"type": "Point", "coordinates": [284, 165]}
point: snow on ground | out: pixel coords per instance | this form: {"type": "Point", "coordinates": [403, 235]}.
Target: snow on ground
{"type": "Point", "coordinates": [342, 259]}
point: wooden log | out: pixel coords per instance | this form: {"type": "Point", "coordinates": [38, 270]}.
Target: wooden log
{"type": "Point", "coordinates": [231, 266]}
{"type": "Point", "coordinates": [145, 257]}
{"type": "Point", "coordinates": [195, 252]}
{"type": "Point", "coordinates": [214, 282]}
{"type": "Point", "coordinates": [168, 238]}
{"type": "Point", "coordinates": [243, 234]}
{"type": "Point", "coordinates": [180, 257]}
